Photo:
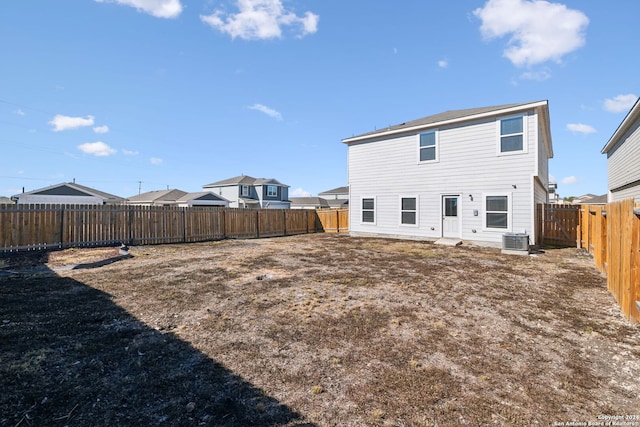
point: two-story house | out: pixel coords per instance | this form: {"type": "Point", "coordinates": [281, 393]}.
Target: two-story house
{"type": "Point", "coordinates": [623, 157]}
{"type": "Point", "coordinates": [247, 192]}
{"type": "Point", "coordinates": [473, 174]}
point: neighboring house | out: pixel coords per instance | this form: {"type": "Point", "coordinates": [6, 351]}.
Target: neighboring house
{"type": "Point", "coordinates": [623, 158]}
{"type": "Point", "coordinates": [337, 198]}
{"type": "Point", "coordinates": [590, 199]}
{"type": "Point", "coordinates": [177, 198]}
{"type": "Point", "coordinates": [5, 201]}
{"type": "Point", "coordinates": [471, 174]}
{"type": "Point", "coordinates": [247, 192]}
{"type": "Point", "coordinates": [308, 203]}
{"type": "Point", "coordinates": [68, 193]}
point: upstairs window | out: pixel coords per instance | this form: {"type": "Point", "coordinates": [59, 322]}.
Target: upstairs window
{"type": "Point", "coordinates": [244, 191]}
{"type": "Point", "coordinates": [512, 134]}
{"type": "Point", "coordinates": [428, 147]}
{"type": "Point", "coordinates": [369, 210]}
{"type": "Point", "coordinates": [272, 191]}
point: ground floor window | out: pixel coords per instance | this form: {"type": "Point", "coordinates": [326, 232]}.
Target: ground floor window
{"type": "Point", "coordinates": [497, 211]}
{"type": "Point", "coordinates": [409, 210]}
{"type": "Point", "coordinates": [369, 210]}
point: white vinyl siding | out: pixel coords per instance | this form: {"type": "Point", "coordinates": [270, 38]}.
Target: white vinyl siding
{"type": "Point", "coordinates": [622, 167]}
{"type": "Point", "coordinates": [468, 165]}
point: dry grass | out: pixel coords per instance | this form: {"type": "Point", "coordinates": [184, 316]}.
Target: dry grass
{"type": "Point", "coordinates": [316, 330]}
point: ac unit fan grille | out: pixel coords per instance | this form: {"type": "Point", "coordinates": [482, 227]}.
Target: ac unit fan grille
{"type": "Point", "coordinates": [515, 242]}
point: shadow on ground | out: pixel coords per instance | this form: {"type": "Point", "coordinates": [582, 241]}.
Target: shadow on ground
{"type": "Point", "coordinates": [70, 356]}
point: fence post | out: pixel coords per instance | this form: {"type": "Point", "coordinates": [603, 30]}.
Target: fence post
{"type": "Point", "coordinates": [284, 216]}
{"type": "Point", "coordinates": [62, 226]}
{"type": "Point", "coordinates": [258, 223]}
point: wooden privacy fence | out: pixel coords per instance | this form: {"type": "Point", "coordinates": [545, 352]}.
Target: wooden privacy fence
{"type": "Point", "coordinates": [35, 227]}
{"type": "Point", "coordinates": [557, 224]}
{"type": "Point", "coordinates": [612, 234]}
{"type": "Point", "coordinates": [334, 220]}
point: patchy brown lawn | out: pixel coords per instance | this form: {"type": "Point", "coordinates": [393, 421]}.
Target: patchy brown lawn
{"type": "Point", "coordinates": [321, 330]}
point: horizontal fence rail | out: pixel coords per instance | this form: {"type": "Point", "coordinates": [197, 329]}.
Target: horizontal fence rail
{"type": "Point", "coordinates": [39, 227]}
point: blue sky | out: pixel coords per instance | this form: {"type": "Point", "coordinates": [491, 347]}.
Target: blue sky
{"type": "Point", "coordinates": [123, 95]}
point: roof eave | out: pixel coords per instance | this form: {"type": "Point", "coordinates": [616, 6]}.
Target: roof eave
{"type": "Point", "coordinates": [632, 116]}
{"type": "Point", "coordinates": [491, 113]}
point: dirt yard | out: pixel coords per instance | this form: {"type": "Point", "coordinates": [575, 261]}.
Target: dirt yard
{"type": "Point", "coordinates": [312, 330]}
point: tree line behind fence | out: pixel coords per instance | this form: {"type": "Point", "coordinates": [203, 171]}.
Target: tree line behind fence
{"type": "Point", "coordinates": [37, 227]}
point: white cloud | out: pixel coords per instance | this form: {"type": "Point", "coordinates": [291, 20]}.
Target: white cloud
{"type": "Point", "coordinates": [620, 103]}
{"type": "Point", "coordinates": [19, 112]}
{"type": "Point", "coordinates": [539, 30]}
{"type": "Point", "coordinates": [101, 129]}
{"type": "Point", "coordinates": [157, 8]}
{"type": "Point", "coordinates": [443, 63]}
{"type": "Point", "coordinates": [266, 110]}
{"type": "Point", "coordinates": [581, 128]}
{"type": "Point", "coordinates": [130, 152]}
{"type": "Point", "coordinates": [98, 149]}
{"type": "Point", "coordinates": [569, 180]}
{"type": "Point", "coordinates": [155, 161]}
{"type": "Point", "coordinates": [299, 192]}
{"type": "Point", "coordinates": [260, 19]}
{"type": "Point", "coordinates": [538, 76]}
{"type": "Point", "coordinates": [60, 122]}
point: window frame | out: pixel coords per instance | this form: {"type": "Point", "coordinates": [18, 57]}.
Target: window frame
{"type": "Point", "coordinates": [362, 210]}
{"type": "Point", "coordinates": [416, 211]}
{"type": "Point", "coordinates": [509, 212]}
{"type": "Point", "coordinates": [269, 187]}
{"type": "Point", "coordinates": [436, 145]}
{"type": "Point", "coordinates": [524, 149]}
{"type": "Point", "coordinates": [244, 193]}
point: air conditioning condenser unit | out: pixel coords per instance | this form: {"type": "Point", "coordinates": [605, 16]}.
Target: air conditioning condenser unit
{"type": "Point", "coordinates": [515, 242]}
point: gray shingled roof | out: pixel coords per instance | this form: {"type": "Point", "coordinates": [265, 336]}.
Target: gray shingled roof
{"type": "Point", "coordinates": [339, 190]}
{"type": "Point", "coordinates": [245, 180]}
{"type": "Point", "coordinates": [441, 117]}
{"type": "Point", "coordinates": [308, 201]}
{"type": "Point", "coordinates": [157, 196]}
{"type": "Point", "coordinates": [59, 189]}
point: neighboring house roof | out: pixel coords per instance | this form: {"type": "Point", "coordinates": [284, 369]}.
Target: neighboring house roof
{"type": "Point", "coordinates": [632, 117]}
{"type": "Point", "coordinates": [167, 197]}
{"type": "Point", "coordinates": [309, 201]}
{"type": "Point", "coordinates": [338, 203]}
{"type": "Point", "coordinates": [339, 190]}
{"type": "Point", "coordinates": [201, 195]}
{"type": "Point", "coordinates": [245, 180]}
{"type": "Point", "coordinates": [457, 116]}
{"type": "Point", "coordinates": [71, 189]}
{"type": "Point", "coordinates": [590, 199]}
{"type": "Point", "coordinates": [157, 196]}
{"type": "Point", "coordinates": [5, 200]}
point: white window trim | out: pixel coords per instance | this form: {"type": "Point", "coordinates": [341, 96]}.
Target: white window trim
{"type": "Point", "coordinates": [269, 193]}
{"type": "Point", "coordinates": [409, 196]}
{"type": "Point", "coordinates": [509, 212]}
{"type": "Point", "coordinates": [437, 146]}
{"type": "Point", "coordinates": [375, 210]}
{"type": "Point", "coordinates": [242, 192]}
{"type": "Point", "coordinates": [525, 145]}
